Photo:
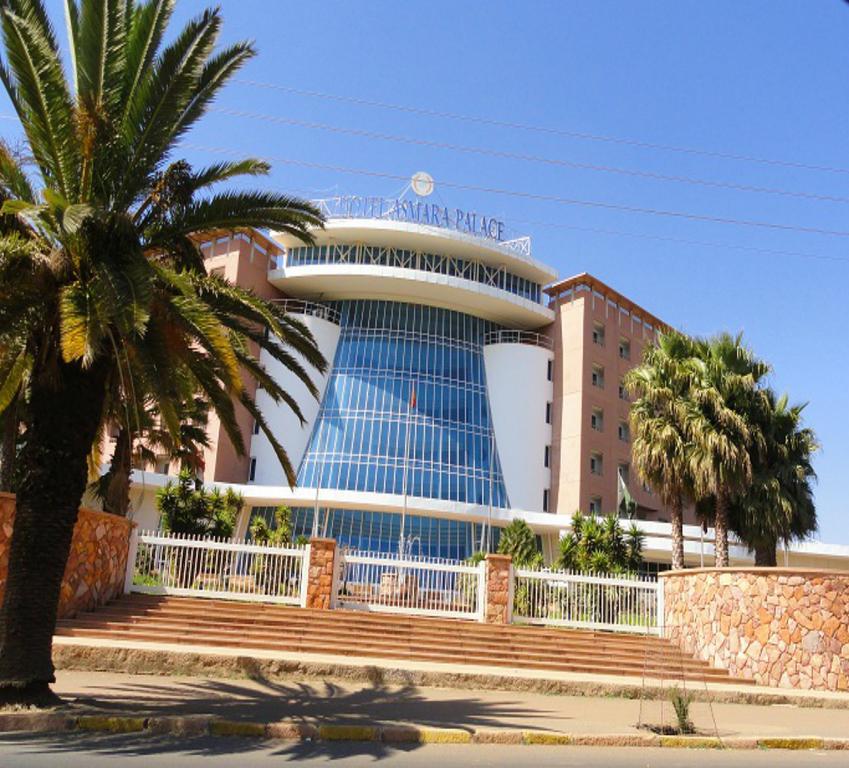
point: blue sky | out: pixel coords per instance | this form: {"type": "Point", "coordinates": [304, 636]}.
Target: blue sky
{"type": "Point", "coordinates": [758, 79]}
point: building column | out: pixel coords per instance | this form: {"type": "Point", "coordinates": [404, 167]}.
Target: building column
{"type": "Point", "coordinates": [499, 589]}
{"type": "Point", "coordinates": [320, 573]}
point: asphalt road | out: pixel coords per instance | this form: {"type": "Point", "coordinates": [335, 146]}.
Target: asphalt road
{"type": "Point", "coordinates": [79, 751]}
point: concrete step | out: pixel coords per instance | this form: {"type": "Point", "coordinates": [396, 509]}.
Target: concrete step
{"type": "Point", "coordinates": [228, 631]}
{"type": "Point", "coordinates": [383, 622]}
{"type": "Point", "coordinates": [269, 627]}
{"type": "Point", "coordinates": [445, 657]}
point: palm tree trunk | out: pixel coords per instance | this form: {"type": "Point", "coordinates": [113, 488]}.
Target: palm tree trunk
{"type": "Point", "coordinates": [8, 446]}
{"type": "Point", "coordinates": [117, 497]}
{"type": "Point", "coordinates": [765, 554]}
{"type": "Point", "coordinates": [62, 423]}
{"type": "Point", "coordinates": [720, 528]}
{"type": "Point", "coordinates": [677, 524]}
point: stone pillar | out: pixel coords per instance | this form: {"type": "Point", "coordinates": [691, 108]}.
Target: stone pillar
{"type": "Point", "coordinates": [320, 573]}
{"type": "Point", "coordinates": [499, 589]}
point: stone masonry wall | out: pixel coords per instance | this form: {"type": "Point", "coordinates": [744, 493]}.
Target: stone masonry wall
{"type": "Point", "coordinates": [96, 565]}
{"type": "Point", "coordinates": [498, 608]}
{"type": "Point", "coordinates": [320, 573]}
{"type": "Point", "coordinates": [776, 626]}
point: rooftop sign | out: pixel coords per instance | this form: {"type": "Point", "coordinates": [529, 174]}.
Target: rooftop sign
{"type": "Point", "coordinates": [415, 212]}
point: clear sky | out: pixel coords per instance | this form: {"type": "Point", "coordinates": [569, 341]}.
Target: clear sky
{"type": "Point", "coordinates": [761, 79]}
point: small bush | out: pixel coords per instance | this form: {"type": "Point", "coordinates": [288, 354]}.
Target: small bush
{"type": "Point", "coordinates": [681, 705]}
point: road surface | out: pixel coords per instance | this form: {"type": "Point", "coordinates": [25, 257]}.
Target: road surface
{"type": "Point", "coordinates": [101, 751]}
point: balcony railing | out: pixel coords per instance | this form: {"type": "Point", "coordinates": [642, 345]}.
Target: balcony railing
{"type": "Point", "coordinates": [518, 337]}
{"type": "Point", "coordinates": [312, 308]}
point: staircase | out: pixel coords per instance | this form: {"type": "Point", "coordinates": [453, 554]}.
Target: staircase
{"type": "Point", "coordinates": [256, 626]}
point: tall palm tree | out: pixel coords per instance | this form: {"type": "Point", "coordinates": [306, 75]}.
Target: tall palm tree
{"type": "Point", "coordinates": [779, 504]}
{"type": "Point", "coordinates": [723, 395]}
{"type": "Point", "coordinates": [14, 184]}
{"type": "Point", "coordinates": [661, 445]}
{"type": "Point", "coordinates": [105, 287]}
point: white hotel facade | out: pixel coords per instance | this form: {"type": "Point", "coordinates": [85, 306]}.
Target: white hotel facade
{"type": "Point", "coordinates": [466, 387]}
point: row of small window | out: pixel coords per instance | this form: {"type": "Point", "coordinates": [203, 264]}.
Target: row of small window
{"type": "Point", "coordinates": [624, 344]}
{"type": "Point", "coordinates": [597, 423]}
{"type": "Point", "coordinates": [597, 378]}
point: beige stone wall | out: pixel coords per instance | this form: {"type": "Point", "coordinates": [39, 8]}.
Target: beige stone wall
{"type": "Point", "coordinates": [97, 563]}
{"type": "Point", "coordinates": [776, 626]}
{"type": "Point", "coordinates": [498, 609]}
{"type": "Point", "coordinates": [320, 573]}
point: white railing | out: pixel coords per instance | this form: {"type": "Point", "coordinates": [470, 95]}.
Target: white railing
{"type": "Point", "coordinates": [507, 336]}
{"type": "Point", "coordinates": [413, 585]}
{"type": "Point", "coordinates": [171, 564]}
{"type": "Point", "coordinates": [312, 308]}
{"type": "Point", "coordinates": [562, 598]}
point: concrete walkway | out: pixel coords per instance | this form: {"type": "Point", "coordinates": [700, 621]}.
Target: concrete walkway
{"type": "Point", "coordinates": [313, 702]}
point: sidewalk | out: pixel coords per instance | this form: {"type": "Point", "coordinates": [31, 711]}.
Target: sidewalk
{"type": "Point", "coordinates": [316, 703]}
{"type": "Point", "coordinates": [172, 660]}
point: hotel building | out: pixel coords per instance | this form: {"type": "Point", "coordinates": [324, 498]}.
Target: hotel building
{"type": "Point", "coordinates": [466, 386]}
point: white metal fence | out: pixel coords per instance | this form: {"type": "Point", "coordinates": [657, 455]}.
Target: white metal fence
{"type": "Point", "coordinates": [171, 564]}
{"type": "Point", "coordinates": [562, 598]}
{"type": "Point", "coordinates": [413, 585]}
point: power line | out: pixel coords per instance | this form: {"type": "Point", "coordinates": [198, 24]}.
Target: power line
{"type": "Point", "coordinates": [621, 140]}
{"type": "Point", "coordinates": [682, 241]}
{"type": "Point", "coordinates": [505, 154]}
{"type": "Point", "coordinates": [541, 197]}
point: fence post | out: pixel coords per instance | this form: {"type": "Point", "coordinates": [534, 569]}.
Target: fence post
{"type": "Point", "coordinates": [321, 573]}
{"type": "Point", "coordinates": [482, 591]}
{"type": "Point", "coordinates": [499, 579]}
{"type": "Point", "coordinates": [661, 606]}
{"type": "Point", "coordinates": [305, 576]}
{"type": "Point", "coordinates": [132, 552]}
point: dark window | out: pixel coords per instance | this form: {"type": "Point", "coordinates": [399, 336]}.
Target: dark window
{"type": "Point", "coordinates": [548, 413]}
{"type": "Point", "coordinates": [551, 370]}
{"type": "Point", "coordinates": [545, 500]}
{"type": "Point", "coordinates": [547, 455]}
{"type": "Point", "coordinates": [252, 472]}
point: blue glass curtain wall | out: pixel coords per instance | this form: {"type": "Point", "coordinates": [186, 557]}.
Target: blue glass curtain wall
{"type": "Point", "coordinates": [379, 531]}
{"type": "Point", "coordinates": [408, 387]}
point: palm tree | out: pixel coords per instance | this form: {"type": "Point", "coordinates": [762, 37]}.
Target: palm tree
{"type": "Point", "coordinates": [724, 394]}
{"type": "Point", "coordinates": [14, 184]}
{"type": "Point", "coordinates": [779, 504]}
{"type": "Point", "coordinates": [661, 445]}
{"type": "Point", "coordinates": [105, 286]}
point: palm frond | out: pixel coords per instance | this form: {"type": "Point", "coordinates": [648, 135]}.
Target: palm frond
{"type": "Point", "coordinates": [39, 92]}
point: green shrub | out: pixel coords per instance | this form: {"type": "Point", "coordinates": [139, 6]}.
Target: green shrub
{"type": "Point", "coordinates": [681, 705]}
{"type": "Point", "coordinates": [594, 546]}
{"type": "Point", "coordinates": [187, 508]}
{"type": "Point", "coordinates": [520, 542]}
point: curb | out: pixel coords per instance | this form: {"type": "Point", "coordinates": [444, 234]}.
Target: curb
{"type": "Point", "coordinates": [205, 725]}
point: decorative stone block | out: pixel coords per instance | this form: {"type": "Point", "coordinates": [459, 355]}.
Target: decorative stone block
{"type": "Point", "coordinates": [498, 581]}
{"type": "Point", "coordinates": [322, 564]}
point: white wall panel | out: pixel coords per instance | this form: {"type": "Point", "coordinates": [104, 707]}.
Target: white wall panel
{"type": "Point", "coordinates": [517, 381]}
{"type": "Point", "coordinates": [284, 424]}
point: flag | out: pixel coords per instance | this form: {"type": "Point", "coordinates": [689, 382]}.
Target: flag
{"type": "Point", "coordinates": [413, 397]}
{"type": "Point", "coordinates": [627, 506]}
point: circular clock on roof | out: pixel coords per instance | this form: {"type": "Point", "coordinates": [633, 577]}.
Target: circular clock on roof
{"type": "Point", "coordinates": [422, 184]}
